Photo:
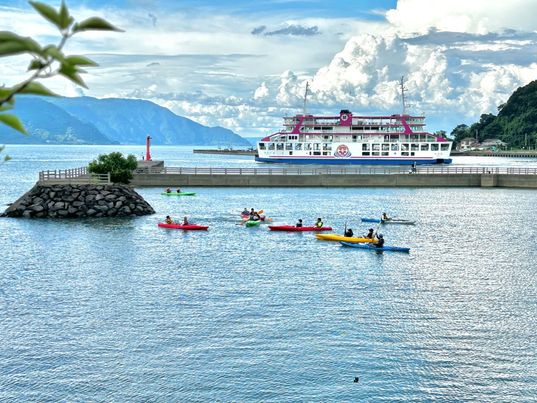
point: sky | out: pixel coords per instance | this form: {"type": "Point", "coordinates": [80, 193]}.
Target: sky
{"type": "Point", "coordinates": [244, 64]}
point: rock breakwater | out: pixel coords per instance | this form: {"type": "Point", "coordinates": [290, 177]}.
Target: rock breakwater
{"type": "Point", "coordinates": [79, 201]}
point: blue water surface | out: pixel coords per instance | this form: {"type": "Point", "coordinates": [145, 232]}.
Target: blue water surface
{"type": "Point", "coordinates": [120, 310]}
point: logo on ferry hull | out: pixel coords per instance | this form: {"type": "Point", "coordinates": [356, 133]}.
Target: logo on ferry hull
{"type": "Point", "coordinates": [342, 151]}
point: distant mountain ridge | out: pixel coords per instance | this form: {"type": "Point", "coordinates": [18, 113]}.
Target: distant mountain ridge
{"type": "Point", "coordinates": [87, 120]}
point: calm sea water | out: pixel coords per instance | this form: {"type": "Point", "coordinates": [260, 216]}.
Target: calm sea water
{"type": "Point", "coordinates": [120, 310]}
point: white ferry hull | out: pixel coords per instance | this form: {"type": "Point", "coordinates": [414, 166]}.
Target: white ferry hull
{"type": "Point", "coordinates": [354, 161]}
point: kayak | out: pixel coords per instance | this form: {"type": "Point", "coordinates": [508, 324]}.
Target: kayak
{"type": "Point", "coordinates": [336, 237]}
{"type": "Point", "coordinates": [251, 223]}
{"type": "Point", "coordinates": [373, 247]}
{"type": "Point", "coordinates": [390, 221]}
{"type": "Point", "coordinates": [190, 227]}
{"type": "Point", "coordinates": [247, 217]}
{"type": "Point", "coordinates": [292, 228]}
{"type": "Point", "coordinates": [178, 194]}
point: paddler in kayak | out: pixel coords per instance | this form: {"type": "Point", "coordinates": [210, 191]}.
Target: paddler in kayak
{"type": "Point", "coordinates": [255, 216]}
{"type": "Point", "coordinates": [349, 233]}
{"type": "Point", "coordinates": [380, 241]}
{"type": "Point", "coordinates": [319, 223]}
{"type": "Point", "coordinates": [185, 221]}
{"type": "Point", "coordinates": [245, 212]}
{"type": "Point", "coordinates": [370, 234]}
{"type": "Point", "coordinates": [299, 223]}
{"type": "Point", "coordinates": [178, 190]}
{"type": "Point", "coordinates": [168, 190]}
{"type": "Point", "coordinates": [168, 220]}
{"type": "Point", "coordinates": [385, 217]}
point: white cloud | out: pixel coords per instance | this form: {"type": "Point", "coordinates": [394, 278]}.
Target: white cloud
{"type": "Point", "coordinates": [262, 91]}
{"type": "Point", "coordinates": [478, 16]}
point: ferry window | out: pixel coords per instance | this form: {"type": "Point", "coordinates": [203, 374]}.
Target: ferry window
{"type": "Point", "coordinates": [444, 147]}
{"type": "Point", "coordinates": [365, 153]}
{"type": "Point", "coordinates": [424, 147]}
{"type": "Point", "coordinates": [434, 147]}
{"type": "Point", "coordinates": [404, 147]}
{"type": "Point", "coordinates": [283, 138]}
{"type": "Point", "coordinates": [366, 147]}
{"type": "Point", "coordinates": [317, 128]}
{"type": "Point", "coordinates": [375, 153]}
{"type": "Point", "coordinates": [404, 153]}
{"type": "Point", "coordinates": [412, 154]}
{"type": "Point", "coordinates": [316, 153]}
{"type": "Point", "coordinates": [261, 146]}
{"type": "Point", "coordinates": [326, 153]}
{"type": "Point", "coordinates": [385, 147]}
{"type": "Point", "coordinates": [298, 146]}
{"type": "Point", "coordinates": [327, 146]}
{"type": "Point", "coordinates": [289, 146]}
{"type": "Point", "coordinates": [316, 146]}
{"type": "Point", "coordinates": [290, 153]}
{"type": "Point", "coordinates": [307, 146]}
{"type": "Point", "coordinates": [376, 147]}
{"type": "Point", "coordinates": [385, 153]}
{"type": "Point", "coordinates": [354, 139]}
{"type": "Point", "coordinates": [386, 138]}
{"type": "Point", "coordinates": [375, 128]}
{"type": "Point", "coordinates": [279, 146]}
{"type": "Point", "coordinates": [271, 146]}
{"type": "Point", "coordinates": [414, 147]}
{"type": "Point", "coordinates": [395, 147]}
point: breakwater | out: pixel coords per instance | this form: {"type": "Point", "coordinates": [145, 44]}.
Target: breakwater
{"type": "Point", "coordinates": [339, 177]}
{"type": "Point", "coordinates": [225, 152]}
{"type": "Point", "coordinates": [79, 201]}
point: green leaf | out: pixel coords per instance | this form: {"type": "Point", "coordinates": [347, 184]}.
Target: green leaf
{"type": "Point", "coordinates": [95, 24]}
{"type": "Point", "coordinates": [79, 61]}
{"type": "Point", "coordinates": [12, 121]}
{"type": "Point", "coordinates": [38, 89]}
{"type": "Point", "coordinates": [65, 18]}
{"type": "Point", "coordinates": [35, 65]}
{"type": "Point", "coordinates": [54, 52]}
{"type": "Point", "coordinates": [71, 73]}
{"type": "Point", "coordinates": [48, 12]}
{"type": "Point", "coordinates": [12, 44]}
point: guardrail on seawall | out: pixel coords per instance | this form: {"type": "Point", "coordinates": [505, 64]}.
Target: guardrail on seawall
{"type": "Point", "coordinates": [425, 170]}
{"type": "Point", "coordinates": [79, 176]}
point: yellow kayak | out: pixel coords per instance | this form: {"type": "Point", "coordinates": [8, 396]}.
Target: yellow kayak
{"type": "Point", "coordinates": [336, 237]}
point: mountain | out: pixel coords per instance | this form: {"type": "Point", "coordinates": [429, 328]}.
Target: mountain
{"type": "Point", "coordinates": [49, 124]}
{"type": "Point", "coordinates": [515, 124]}
{"type": "Point", "coordinates": [86, 120]}
{"type": "Point", "coordinates": [129, 121]}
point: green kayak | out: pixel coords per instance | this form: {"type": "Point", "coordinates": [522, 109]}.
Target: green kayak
{"type": "Point", "coordinates": [251, 223]}
{"type": "Point", "coordinates": [178, 194]}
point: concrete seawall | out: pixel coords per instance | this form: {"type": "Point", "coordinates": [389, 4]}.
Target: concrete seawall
{"type": "Point", "coordinates": [335, 180]}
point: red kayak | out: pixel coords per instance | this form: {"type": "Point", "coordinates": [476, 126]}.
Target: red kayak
{"type": "Point", "coordinates": [190, 227]}
{"type": "Point", "coordinates": [292, 228]}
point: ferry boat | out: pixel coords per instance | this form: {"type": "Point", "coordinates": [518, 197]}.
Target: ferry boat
{"type": "Point", "coordinates": [354, 139]}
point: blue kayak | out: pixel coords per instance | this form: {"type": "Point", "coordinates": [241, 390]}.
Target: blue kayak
{"type": "Point", "coordinates": [390, 221]}
{"type": "Point", "coordinates": [373, 247]}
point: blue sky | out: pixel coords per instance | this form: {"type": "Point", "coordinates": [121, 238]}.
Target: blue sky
{"type": "Point", "coordinates": [243, 64]}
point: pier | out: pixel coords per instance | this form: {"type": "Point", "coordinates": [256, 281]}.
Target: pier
{"type": "Point", "coordinates": [251, 152]}
{"type": "Point", "coordinates": [425, 176]}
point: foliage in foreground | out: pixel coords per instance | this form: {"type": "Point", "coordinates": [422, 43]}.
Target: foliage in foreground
{"type": "Point", "coordinates": [119, 167]}
{"type": "Point", "coordinates": [46, 61]}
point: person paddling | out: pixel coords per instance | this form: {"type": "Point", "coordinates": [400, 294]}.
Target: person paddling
{"type": "Point", "coordinates": [385, 217]}
{"type": "Point", "coordinates": [370, 234]}
{"type": "Point", "coordinates": [349, 233]}
{"type": "Point", "coordinates": [185, 221]}
{"type": "Point", "coordinates": [178, 190]}
{"type": "Point", "coordinates": [168, 190]}
{"type": "Point", "coordinates": [319, 223]}
{"type": "Point", "coordinates": [299, 223]}
{"type": "Point", "coordinates": [168, 220]}
{"type": "Point", "coordinates": [380, 241]}
{"type": "Point", "coordinates": [245, 212]}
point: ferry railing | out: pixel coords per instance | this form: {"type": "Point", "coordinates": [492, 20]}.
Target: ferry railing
{"type": "Point", "coordinates": [421, 170]}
